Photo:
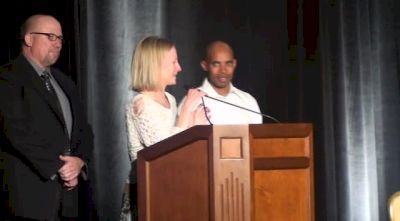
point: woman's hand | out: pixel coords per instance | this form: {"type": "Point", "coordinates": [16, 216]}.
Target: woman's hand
{"type": "Point", "coordinates": [201, 116]}
{"type": "Point", "coordinates": [193, 99]}
{"type": "Point", "coordinates": [189, 108]}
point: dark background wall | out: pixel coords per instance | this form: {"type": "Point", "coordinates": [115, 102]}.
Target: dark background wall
{"type": "Point", "coordinates": [277, 60]}
{"type": "Point", "coordinates": [333, 63]}
{"type": "Point", "coordinates": [275, 44]}
{"type": "Point", "coordinates": [14, 13]}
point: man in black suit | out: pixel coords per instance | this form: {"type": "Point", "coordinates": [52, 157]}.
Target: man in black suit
{"type": "Point", "coordinates": [45, 138]}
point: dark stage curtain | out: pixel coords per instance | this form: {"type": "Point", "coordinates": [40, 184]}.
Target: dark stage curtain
{"type": "Point", "coordinates": [109, 31]}
{"type": "Point", "coordinates": [361, 102]}
{"type": "Point", "coordinates": [349, 90]}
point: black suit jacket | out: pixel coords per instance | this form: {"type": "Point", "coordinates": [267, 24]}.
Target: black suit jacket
{"type": "Point", "coordinates": [33, 136]}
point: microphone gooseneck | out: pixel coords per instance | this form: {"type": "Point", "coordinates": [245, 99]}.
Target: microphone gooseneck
{"type": "Point", "coordinates": [187, 87]}
{"type": "Point", "coordinates": [264, 115]}
{"type": "Point", "coordinates": [205, 111]}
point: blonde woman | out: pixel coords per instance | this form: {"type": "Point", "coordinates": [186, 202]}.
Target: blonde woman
{"type": "Point", "coordinates": [152, 113]}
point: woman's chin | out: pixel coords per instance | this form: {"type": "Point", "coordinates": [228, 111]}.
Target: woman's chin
{"type": "Point", "coordinates": [172, 83]}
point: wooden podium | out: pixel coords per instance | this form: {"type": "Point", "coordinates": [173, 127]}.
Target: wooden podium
{"type": "Point", "coordinates": [229, 173]}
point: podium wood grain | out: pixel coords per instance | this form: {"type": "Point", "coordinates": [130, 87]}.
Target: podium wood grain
{"type": "Point", "coordinates": [229, 173]}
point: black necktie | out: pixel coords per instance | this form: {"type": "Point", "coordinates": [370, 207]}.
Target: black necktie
{"type": "Point", "coordinates": [52, 93]}
{"type": "Point", "coordinates": [49, 87]}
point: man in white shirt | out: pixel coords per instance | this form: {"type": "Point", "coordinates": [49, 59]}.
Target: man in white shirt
{"type": "Point", "coordinates": [220, 64]}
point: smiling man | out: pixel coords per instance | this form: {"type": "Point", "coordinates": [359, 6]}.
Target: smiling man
{"type": "Point", "coordinates": [219, 63]}
{"type": "Point", "coordinates": [44, 134]}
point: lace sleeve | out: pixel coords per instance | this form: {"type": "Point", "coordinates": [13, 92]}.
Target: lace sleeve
{"type": "Point", "coordinates": [148, 124]}
{"type": "Point", "coordinates": [133, 142]}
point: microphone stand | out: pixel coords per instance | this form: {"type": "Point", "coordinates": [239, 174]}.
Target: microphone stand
{"type": "Point", "coordinates": [264, 115]}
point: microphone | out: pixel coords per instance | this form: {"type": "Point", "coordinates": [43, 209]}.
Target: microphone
{"type": "Point", "coordinates": [243, 108]}
{"type": "Point", "coordinates": [264, 115]}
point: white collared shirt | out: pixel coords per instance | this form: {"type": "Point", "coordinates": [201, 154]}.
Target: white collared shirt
{"type": "Point", "coordinates": [222, 113]}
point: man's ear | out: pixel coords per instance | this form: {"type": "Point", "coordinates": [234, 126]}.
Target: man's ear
{"type": "Point", "coordinates": [28, 40]}
{"type": "Point", "coordinates": [234, 63]}
{"type": "Point", "coordinates": [203, 65]}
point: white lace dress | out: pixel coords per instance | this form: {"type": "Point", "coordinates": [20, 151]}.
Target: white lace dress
{"type": "Point", "coordinates": [150, 125]}
{"type": "Point", "coordinates": [153, 124]}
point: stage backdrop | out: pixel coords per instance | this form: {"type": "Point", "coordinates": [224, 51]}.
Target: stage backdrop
{"type": "Point", "coordinates": [110, 29]}
{"type": "Point", "coordinates": [109, 32]}
{"type": "Point", "coordinates": [361, 97]}
{"type": "Point", "coordinates": [348, 88]}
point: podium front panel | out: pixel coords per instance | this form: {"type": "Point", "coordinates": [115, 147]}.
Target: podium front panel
{"type": "Point", "coordinates": [229, 172]}
{"type": "Point", "coordinates": [177, 185]}
{"type": "Point", "coordinates": [232, 189]}
{"type": "Point", "coordinates": [283, 172]}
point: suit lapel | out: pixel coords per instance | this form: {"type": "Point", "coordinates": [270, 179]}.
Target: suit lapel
{"type": "Point", "coordinates": [37, 83]}
{"type": "Point", "coordinates": [50, 99]}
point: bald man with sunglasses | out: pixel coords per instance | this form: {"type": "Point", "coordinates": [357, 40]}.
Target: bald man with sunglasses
{"type": "Point", "coordinates": [45, 138]}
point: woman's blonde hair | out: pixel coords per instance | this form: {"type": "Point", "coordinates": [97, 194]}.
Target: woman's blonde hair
{"type": "Point", "coordinates": [146, 62]}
